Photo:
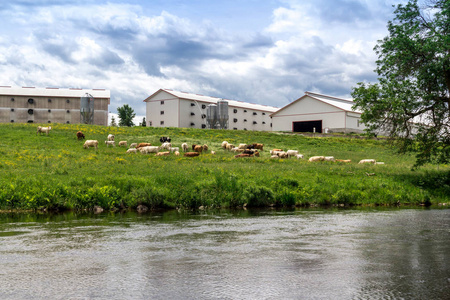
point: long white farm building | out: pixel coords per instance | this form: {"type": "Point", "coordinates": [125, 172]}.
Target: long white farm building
{"type": "Point", "coordinates": [168, 108]}
{"type": "Point", "coordinates": [318, 113]}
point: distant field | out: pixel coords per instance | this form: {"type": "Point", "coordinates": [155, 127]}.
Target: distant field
{"type": "Point", "coordinates": [55, 172]}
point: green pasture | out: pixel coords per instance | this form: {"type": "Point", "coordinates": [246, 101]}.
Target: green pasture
{"type": "Point", "coordinates": [55, 172]}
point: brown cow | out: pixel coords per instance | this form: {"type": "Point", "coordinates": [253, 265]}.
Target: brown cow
{"type": "Point", "coordinates": [243, 155]}
{"type": "Point", "coordinates": [140, 145]}
{"type": "Point", "coordinates": [259, 146]}
{"type": "Point", "coordinates": [191, 154]}
{"type": "Point", "coordinates": [198, 148]}
{"type": "Point", "coordinates": [80, 135]}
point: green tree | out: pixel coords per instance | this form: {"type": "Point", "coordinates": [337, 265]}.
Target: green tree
{"type": "Point", "coordinates": [411, 100]}
{"type": "Point", "coordinates": [113, 122]}
{"type": "Point", "coordinates": [126, 115]}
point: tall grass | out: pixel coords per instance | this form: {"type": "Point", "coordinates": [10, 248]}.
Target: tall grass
{"type": "Point", "coordinates": [55, 172]}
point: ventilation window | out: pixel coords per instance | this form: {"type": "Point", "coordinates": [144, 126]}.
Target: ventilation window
{"type": "Point", "coordinates": [49, 100]}
{"type": "Point", "coordinates": [270, 124]}
{"type": "Point", "coordinates": [49, 110]}
{"type": "Point", "coordinates": [263, 114]}
{"type": "Point", "coordinates": [30, 121]}
{"type": "Point", "coordinates": [67, 101]}
{"type": "Point", "coordinates": [245, 128]}
{"type": "Point", "coordinates": [68, 111]}
{"type": "Point", "coordinates": [31, 101]}
{"type": "Point", "coordinates": [192, 124]}
{"type": "Point", "coordinates": [68, 122]}
{"type": "Point", "coordinates": [12, 99]}
{"type": "Point", "coordinates": [254, 122]}
{"type": "Point", "coordinates": [245, 120]}
{"type": "Point", "coordinates": [162, 102]}
{"type": "Point", "coordinates": [245, 110]}
{"type": "Point", "coordinates": [254, 113]}
{"type": "Point", "coordinates": [234, 128]}
{"type": "Point", "coordinates": [162, 112]}
{"type": "Point", "coordinates": [192, 114]}
{"type": "Point", "coordinates": [161, 123]}
{"type": "Point", "coordinates": [203, 106]}
{"type": "Point", "coordinates": [203, 125]}
{"type": "Point", "coordinates": [235, 111]}
{"type": "Point", "coordinates": [192, 104]}
{"type": "Point", "coordinates": [12, 109]}
{"type": "Point", "coordinates": [49, 121]}
{"type": "Point", "coordinates": [235, 120]}
{"type": "Point", "coordinates": [150, 123]}
{"type": "Point", "coordinates": [203, 116]}
{"type": "Point", "coordinates": [30, 111]}
{"type": "Point", "coordinates": [12, 121]}
{"type": "Point", "coordinates": [264, 122]}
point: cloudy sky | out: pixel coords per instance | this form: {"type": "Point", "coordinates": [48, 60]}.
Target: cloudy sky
{"type": "Point", "coordinates": [261, 51]}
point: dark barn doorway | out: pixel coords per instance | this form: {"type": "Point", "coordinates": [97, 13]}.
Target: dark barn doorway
{"type": "Point", "coordinates": [307, 126]}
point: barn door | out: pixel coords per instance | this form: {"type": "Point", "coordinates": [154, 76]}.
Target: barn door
{"type": "Point", "coordinates": [307, 126]}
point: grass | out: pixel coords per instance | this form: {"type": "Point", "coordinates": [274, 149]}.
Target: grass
{"type": "Point", "coordinates": [55, 172]}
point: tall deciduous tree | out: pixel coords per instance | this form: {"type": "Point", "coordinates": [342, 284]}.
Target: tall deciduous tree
{"type": "Point", "coordinates": [411, 101]}
{"type": "Point", "coordinates": [126, 115]}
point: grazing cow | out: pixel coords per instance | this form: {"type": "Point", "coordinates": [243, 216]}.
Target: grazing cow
{"type": "Point", "coordinates": [45, 130]}
{"type": "Point", "coordinates": [80, 135]}
{"type": "Point", "coordinates": [140, 145]}
{"type": "Point", "coordinates": [110, 143]}
{"type": "Point", "coordinates": [198, 148]}
{"type": "Point", "coordinates": [132, 150]}
{"type": "Point", "coordinates": [134, 145]}
{"type": "Point", "coordinates": [259, 146]}
{"type": "Point", "coordinates": [90, 143]}
{"type": "Point", "coordinates": [205, 147]}
{"type": "Point", "coordinates": [110, 137]}
{"type": "Point", "coordinates": [185, 147]}
{"type": "Point", "coordinates": [165, 139]}
{"type": "Point", "coordinates": [299, 156]}
{"type": "Point", "coordinates": [177, 153]}
{"type": "Point", "coordinates": [224, 144]}
{"type": "Point", "coordinates": [243, 155]}
{"type": "Point", "coordinates": [230, 146]}
{"type": "Point", "coordinates": [275, 151]}
{"type": "Point", "coordinates": [292, 153]}
{"type": "Point", "coordinates": [282, 154]}
{"type": "Point", "coordinates": [191, 154]}
{"type": "Point", "coordinates": [166, 145]}
{"type": "Point", "coordinates": [122, 143]}
{"type": "Point", "coordinates": [329, 158]}
{"type": "Point", "coordinates": [316, 158]}
{"type": "Point", "coordinates": [213, 152]}
{"type": "Point", "coordinates": [251, 146]}
{"type": "Point", "coordinates": [149, 149]}
{"type": "Point", "coordinates": [367, 161]}
{"type": "Point", "coordinates": [242, 146]}
{"type": "Point", "coordinates": [173, 149]}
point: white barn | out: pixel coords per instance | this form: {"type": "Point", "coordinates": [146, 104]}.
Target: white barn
{"type": "Point", "coordinates": [318, 113]}
{"type": "Point", "coordinates": [168, 108]}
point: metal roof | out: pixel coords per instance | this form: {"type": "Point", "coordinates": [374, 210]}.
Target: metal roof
{"type": "Point", "coordinates": [213, 100]}
{"type": "Point", "coordinates": [52, 92]}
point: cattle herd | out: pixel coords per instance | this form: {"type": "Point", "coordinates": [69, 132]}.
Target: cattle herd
{"type": "Point", "coordinates": [240, 151]}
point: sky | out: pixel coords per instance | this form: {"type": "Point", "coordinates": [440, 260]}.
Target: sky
{"type": "Point", "coordinates": [259, 51]}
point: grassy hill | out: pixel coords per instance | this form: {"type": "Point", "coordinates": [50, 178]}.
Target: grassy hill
{"type": "Point", "coordinates": [55, 172]}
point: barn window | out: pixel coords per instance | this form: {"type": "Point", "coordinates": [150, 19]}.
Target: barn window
{"type": "Point", "coordinates": [161, 123]}
{"type": "Point", "coordinates": [12, 121]}
{"type": "Point", "coordinates": [192, 104]}
{"type": "Point", "coordinates": [30, 111]}
{"type": "Point", "coordinates": [31, 101]}
{"type": "Point", "coordinates": [68, 122]}
{"type": "Point", "coordinates": [264, 122]}
{"type": "Point", "coordinates": [245, 110]}
{"type": "Point", "coordinates": [68, 101]}
{"type": "Point", "coordinates": [150, 123]}
{"type": "Point", "coordinates": [245, 120]}
{"type": "Point", "coordinates": [192, 114]}
{"type": "Point", "coordinates": [245, 128]}
{"type": "Point", "coordinates": [162, 112]}
{"type": "Point", "coordinates": [270, 124]}
{"type": "Point", "coordinates": [235, 111]}
{"type": "Point", "coordinates": [203, 125]}
{"type": "Point", "coordinates": [203, 116]}
{"type": "Point", "coordinates": [49, 110]}
{"type": "Point", "coordinates": [49, 121]}
{"type": "Point", "coordinates": [263, 113]}
{"type": "Point", "coordinates": [12, 109]}
{"type": "Point", "coordinates": [254, 122]}
{"type": "Point", "coordinates": [12, 99]}
{"type": "Point", "coordinates": [162, 102]}
{"type": "Point", "coordinates": [203, 106]}
{"type": "Point", "coordinates": [234, 128]}
{"type": "Point", "coordinates": [49, 100]}
{"type": "Point", "coordinates": [30, 121]}
{"type": "Point", "coordinates": [192, 124]}
{"type": "Point", "coordinates": [357, 123]}
{"type": "Point", "coordinates": [68, 111]}
{"type": "Point", "coordinates": [235, 120]}
{"type": "Point", "coordinates": [254, 113]}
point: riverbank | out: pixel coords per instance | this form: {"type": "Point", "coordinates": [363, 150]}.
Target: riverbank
{"type": "Point", "coordinates": [54, 172]}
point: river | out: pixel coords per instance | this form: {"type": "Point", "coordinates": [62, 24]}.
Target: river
{"type": "Point", "coordinates": [243, 254]}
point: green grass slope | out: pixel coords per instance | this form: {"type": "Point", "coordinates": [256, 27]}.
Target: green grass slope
{"type": "Point", "coordinates": [56, 172]}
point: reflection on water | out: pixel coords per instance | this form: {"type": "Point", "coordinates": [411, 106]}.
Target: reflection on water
{"type": "Point", "coordinates": [297, 254]}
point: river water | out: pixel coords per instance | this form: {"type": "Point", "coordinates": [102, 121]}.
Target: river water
{"type": "Point", "coordinates": [271, 254]}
